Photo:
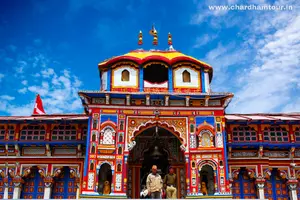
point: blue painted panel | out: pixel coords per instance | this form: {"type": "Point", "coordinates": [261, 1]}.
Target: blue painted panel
{"type": "Point", "coordinates": [108, 79]}
{"type": "Point", "coordinates": [64, 186]}
{"type": "Point", "coordinates": [141, 73]}
{"type": "Point", "coordinates": [202, 81]}
{"type": "Point", "coordinates": [170, 76]}
{"type": "Point", "coordinates": [87, 147]}
{"type": "Point", "coordinates": [243, 187]}
{"type": "Point", "coordinates": [33, 188]}
{"type": "Point", "coordinates": [10, 187]}
{"type": "Point", "coordinates": [113, 118]}
{"type": "Point", "coordinates": [209, 120]}
{"type": "Point", "coordinates": [275, 187]}
{"type": "Point", "coordinates": [225, 153]}
{"type": "Point", "coordinates": [1, 188]}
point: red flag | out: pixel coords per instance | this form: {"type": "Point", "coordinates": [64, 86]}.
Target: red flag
{"type": "Point", "coordinates": [38, 107]}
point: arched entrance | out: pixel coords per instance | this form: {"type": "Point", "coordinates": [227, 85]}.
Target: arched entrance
{"type": "Point", "coordinates": [207, 180]}
{"type": "Point", "coordinates": [154, 146]}
{"type": "Point", "coordinates": [105, 174]}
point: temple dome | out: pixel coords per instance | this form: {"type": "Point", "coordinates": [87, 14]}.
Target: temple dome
{"type": "Point", "coordinates": [169, 57]}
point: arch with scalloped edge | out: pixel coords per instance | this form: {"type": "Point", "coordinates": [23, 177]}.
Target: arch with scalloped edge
{"type": "Point", "coordinates": [140, 129]}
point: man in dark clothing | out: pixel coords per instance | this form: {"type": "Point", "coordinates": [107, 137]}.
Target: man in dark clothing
{"type": "Point", "coordinates": [170, 184]}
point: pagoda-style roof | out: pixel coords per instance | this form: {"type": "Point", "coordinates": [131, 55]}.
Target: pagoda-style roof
{"type": "Point", "coordinates": [169, 57]}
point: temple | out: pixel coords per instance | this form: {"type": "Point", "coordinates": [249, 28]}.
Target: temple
{"type": "Point", "coordinates": [152, 107]}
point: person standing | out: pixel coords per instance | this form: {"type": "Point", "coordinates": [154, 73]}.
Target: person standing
{"type": "Point", "coordinates": [154, 184]}
{"type": "Point", "coordinates": [170, 184]}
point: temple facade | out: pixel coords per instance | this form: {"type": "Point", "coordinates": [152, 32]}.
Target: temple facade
{"type": "Point", "coordinates": [152, 107]}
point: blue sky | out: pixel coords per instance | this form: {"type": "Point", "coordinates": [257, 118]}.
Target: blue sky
{"type": "Point", "coordinates": [53, 47]}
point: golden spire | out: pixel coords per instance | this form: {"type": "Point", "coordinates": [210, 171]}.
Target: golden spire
{"type": "Point", "coordinates": [153, 32]}
{"type": "Point", "coordinates": [140, 42]}
{"type": "Point", "coordinates": [170, 39]}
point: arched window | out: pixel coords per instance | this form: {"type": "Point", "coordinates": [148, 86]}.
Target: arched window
{"type": "Point", "coordinates": [206, 142]}
{"type": "Point", "coordinates": [276, 134]}
{"type": "Point", "coordinates": [120, 150]}
{"type": "Point", "coordinates": [92, 166]}
{"type": "Point", "coordinates": [205, 138]}
{"type": "Point", "coordinates": [119, 167]}
{"type": "Point", "coordinates": [108, 136]}
{"type": "Point", "coordinates": [64, 132]}
{"type": "Point", "coordinates": [243, 187]}
{"type": "Point", "coordinates": [297, 134]}
{"type": "Point", "coordinates": [33, 132]}
{"type": "Point", "coordinates": [94, 136]}
{"type": "Point", "coordinates": [125, 75]}
{"type": "Point", "coordinates": [95, 123]}
{"type": "Point", "coordinates": [244, 134]}
{"type": "Point", "coordinates": [93, 150]}
{"type": "Point", "coordinates": [120, 137]}
{"type": "Point", "coordinates": [122, 125]}
{"type": "Point", "coordinates": [186, 76]}
{"type": "Point", "coordinates": [192, 128]}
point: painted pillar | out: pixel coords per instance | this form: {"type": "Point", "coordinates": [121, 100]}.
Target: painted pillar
{"type": "Point", "coordinates": [202, 81]}
{"type": "Point", "coordinates": [292, 184]}
{"type": "Point", "coordinates": [108, 79]}
{"type": "Point", "coordinates": [141, 86]}
{"type": "Point", "coordinates": [170, 76]}
{"type": "Point", "coordinates": [17, 187]}
{"type": "Point", "coordinates": [47, 193]}
{"type": "Point", "coordinates": [206, 78]}
{"type": "Point", "coordinates": [260, 184]}
{"type": "Point", "coordinates": [112, 180]}
{"type": "Point", "coordinates": [187, 173]}
{"type": "Point", "coordinates": [86, 159]}
{"type": "Point", "coordinates": [125, 178]}
{"type": "Point", "coordinates": [5, 196]}
{"type": "Point", "coordinates": [48, 181]}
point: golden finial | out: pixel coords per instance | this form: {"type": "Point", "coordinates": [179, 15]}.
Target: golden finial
{"type": "Point", "coordinates": [140, 42]}
{"type": "Point", "coordinates": [153, 32]}
{"type": "Point", "coordinates": [170, 39]}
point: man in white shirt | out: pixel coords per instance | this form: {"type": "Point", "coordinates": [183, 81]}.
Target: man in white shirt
{"type": "Point", "coordinates": [154, 184]}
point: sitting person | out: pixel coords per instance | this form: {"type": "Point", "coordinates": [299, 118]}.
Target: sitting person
{"type": "Point", "coordinates": [170, 184]}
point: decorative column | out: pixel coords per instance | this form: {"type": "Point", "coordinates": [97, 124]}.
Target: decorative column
{"type": "Point", "coordinates": [48, 181]}
{"type": "Point", "coordinates": [18, 181]}
{"type": "Point", "coordinates": [260, 184]}
{"type": "Point", "coordinates": [125, 168]}
{"type": "Point", "coordinates": [127, 100]}
{"type": "Point", "coordinates": [206, 78]}
{"type": "Point", "coordinates": [292, 184]}
{"type": "Point", "coordinates": [5, 196]}
{"type": "Point", "coordinates": [112, 189]}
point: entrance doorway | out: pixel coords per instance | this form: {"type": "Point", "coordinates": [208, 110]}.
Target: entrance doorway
{"type": "Point", "coordinates": [207, 178]}
{"type": "Point", "coordinates": [154, 146]}
{"type": "Point", "coordinates": [105, 174]}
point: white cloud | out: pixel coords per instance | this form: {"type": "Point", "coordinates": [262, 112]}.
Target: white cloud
{"type": "Point", "coordinates": [7, 97]}
{"type": "Point", "coordinates": [47, 72]}
{"type": "Point", "coordinates": [23, 90]}
{"type": "Point", "coordinates": [203, 40]}
{"type": "Point", "coordinates": [272, 82]}
{"type": "Point", "coordinates": [24, 82]}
